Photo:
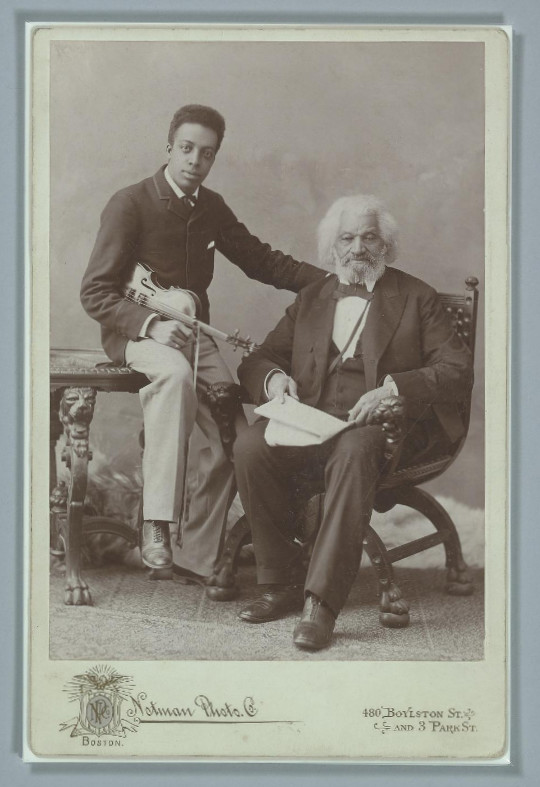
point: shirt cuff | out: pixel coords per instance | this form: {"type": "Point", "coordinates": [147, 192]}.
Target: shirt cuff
{"type": "Point", "coordinates": [144, 327]}
{"type": "Point", "coordinates": [390, 382]}
{"type": "Point", "coordinates": [267, 379]}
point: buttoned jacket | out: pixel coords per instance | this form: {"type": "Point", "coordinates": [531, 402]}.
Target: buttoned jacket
{"type": "Point", "coordinates": [148, 223]}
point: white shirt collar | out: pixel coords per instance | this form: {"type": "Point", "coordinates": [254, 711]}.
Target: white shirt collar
{"type": "Point", "coordinates": [369, 286]}
{"type": "Point", "coordinates": [177, 190]}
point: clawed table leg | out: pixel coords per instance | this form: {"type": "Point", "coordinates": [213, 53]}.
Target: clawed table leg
{"type": "Point", "coordinates": [76, 412]}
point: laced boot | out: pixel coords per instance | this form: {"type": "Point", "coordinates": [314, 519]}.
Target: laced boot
{"type": "Point", "coordinates": [156, 549]}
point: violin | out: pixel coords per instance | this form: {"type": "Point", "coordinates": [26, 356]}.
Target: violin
{"type": "Point", "coordinates": [175, 303]}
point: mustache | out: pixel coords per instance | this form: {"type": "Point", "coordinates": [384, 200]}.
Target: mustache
{"type": "Point", "coordinates": [365, 257]}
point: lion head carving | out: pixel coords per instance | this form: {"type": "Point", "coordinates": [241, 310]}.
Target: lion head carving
{"type": "Point", "coordinates": [77, 406]}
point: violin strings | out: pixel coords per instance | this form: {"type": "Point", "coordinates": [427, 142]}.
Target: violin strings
{"type": "Point", "coordinates": [142, 300]}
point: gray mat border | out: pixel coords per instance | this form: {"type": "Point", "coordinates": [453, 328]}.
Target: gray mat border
{"type": "Point", "coordinates": [524, 15]}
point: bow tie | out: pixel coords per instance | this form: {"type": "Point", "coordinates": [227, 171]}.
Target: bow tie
{"type": "Point", "coordinates": [189, 202]}
{"type": "Point", "coordinates": [346, 290]}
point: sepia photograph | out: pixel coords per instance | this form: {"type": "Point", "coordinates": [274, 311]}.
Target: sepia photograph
{"type": "Point", "coordinates": [271, 259]}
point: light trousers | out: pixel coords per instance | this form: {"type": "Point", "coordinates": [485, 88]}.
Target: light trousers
{"type": "Point", "coordinates": [171, 405]}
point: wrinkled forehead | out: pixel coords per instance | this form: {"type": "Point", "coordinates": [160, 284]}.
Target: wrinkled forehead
{"type": "Point", "coordinates": [358, 222]}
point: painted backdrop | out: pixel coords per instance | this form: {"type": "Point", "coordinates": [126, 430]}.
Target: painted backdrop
{"type": "Point", "coordinates": [306, 123]}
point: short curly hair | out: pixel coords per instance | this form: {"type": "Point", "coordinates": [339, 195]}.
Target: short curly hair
{"type": "Point", "coordinates": [197, 113]}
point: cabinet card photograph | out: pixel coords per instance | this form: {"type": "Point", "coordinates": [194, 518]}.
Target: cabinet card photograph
{"type": "Point", "coordinates": [267, 393]}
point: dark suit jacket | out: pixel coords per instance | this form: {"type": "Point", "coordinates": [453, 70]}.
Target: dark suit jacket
{"type": "Point", "coordinates": [147, 223]}
{"type": "Point", "coordinates": [407, 335]}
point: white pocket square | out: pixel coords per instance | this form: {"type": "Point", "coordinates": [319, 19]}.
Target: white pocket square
{"type": "Point", "coordinates": [211, 244]}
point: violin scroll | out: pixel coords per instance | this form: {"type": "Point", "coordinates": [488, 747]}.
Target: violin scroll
{"type": "Point", "coordinates": [247, 344]}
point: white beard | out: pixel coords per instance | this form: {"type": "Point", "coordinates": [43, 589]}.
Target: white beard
{"type": "Point", "coordinates": [360, 271]}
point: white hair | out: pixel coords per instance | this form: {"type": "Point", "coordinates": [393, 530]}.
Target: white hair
{"type": "Point", "coordinates": [361, 205]}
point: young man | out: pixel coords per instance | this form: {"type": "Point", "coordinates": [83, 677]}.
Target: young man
{"type": "Point", "coordinates": [174, 224]}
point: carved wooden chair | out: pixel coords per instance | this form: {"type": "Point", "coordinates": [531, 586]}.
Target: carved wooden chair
{"type": "Point", "coordinates": [398, 485]}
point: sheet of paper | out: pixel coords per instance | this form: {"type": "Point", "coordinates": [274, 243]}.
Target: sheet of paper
{"type": "Point", "coordinates": [294, 423]}
{"type": "Point", "coordinates": [282, 434]}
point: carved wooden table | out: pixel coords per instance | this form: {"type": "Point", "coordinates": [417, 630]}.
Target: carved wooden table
{"type": "Point", "coordinates": [76, 376]}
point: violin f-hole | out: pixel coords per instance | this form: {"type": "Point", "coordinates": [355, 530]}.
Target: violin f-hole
{"type": "Point", "coordinates": [144, 283]}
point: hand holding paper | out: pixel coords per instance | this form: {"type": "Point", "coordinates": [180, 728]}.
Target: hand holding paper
{"type": "Point", "coordinates": [296, 424]}
{"type": "Point", "coordinates": [281, 384]}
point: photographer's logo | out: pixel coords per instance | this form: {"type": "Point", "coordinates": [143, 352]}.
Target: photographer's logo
{"type": "Point", "coordinates": [99, 713]}
{"type": "Point", "coordinates": [101, 693]}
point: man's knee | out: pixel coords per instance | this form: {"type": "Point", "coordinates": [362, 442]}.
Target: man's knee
{"type": "Point", "coordinates": [177, 373]}
{"type": "Point", "coordinates": [249, 447]}
{"type": "Point", "coordinates": [361, 446]}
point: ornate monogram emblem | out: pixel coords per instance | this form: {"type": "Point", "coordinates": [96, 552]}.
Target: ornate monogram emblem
{"type": "Point", "coordinates": [100, 693]}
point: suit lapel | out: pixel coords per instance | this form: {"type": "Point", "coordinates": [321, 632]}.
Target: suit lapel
{"type": "Point", "coordinates": [321, 324]}
{"type": "Point", "coordinates": [201, 205]}
{"type": "Point", "coordinates": [174, 204]}
{"type": "Point", "coordinates": [382, 321]}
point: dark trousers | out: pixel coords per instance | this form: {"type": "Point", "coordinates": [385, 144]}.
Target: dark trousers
{"type": "Point", "coordinates": [272, 483]}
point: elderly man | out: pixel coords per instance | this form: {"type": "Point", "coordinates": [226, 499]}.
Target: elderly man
{"type": "Point", "coordinates": [348, 341]}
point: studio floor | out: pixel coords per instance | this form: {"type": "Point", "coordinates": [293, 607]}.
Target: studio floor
{"type": "Point", "coordinates": [135, 618]}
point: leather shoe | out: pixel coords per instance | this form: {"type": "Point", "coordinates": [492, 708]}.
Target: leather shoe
{"type": "Point", "coordinates": [276, 602]}
{"type": "Point", "coordinates": [156, 549]}
{"type": "Point", "coordinates": [316, 626]}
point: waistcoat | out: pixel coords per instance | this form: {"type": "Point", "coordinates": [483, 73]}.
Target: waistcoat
{"type": "Point", "coordinates": [344, 385]}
